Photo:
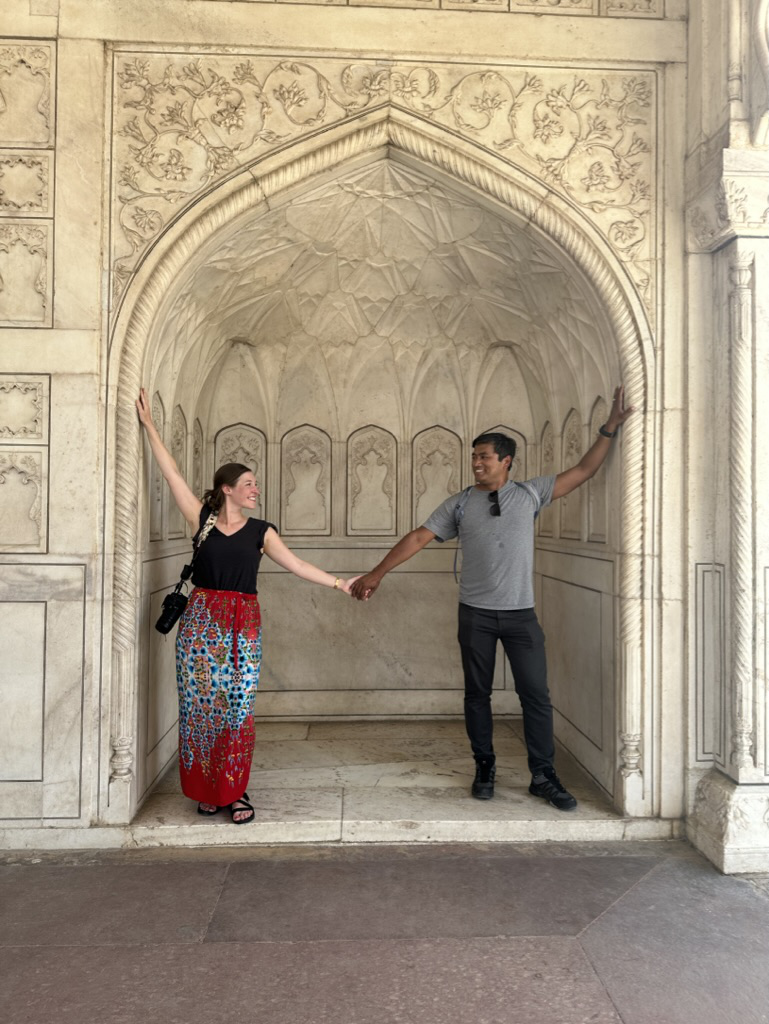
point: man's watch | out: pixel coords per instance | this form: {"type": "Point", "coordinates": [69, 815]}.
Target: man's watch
{"type": "Point", "coordinates": [607, 433]}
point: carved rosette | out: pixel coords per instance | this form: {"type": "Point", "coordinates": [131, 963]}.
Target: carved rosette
{"type": "Point", "coordinates": [371, 475]}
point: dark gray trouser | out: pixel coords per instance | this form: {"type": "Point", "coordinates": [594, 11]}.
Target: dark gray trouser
{"type": "Point", "coordinates": [524, 644]}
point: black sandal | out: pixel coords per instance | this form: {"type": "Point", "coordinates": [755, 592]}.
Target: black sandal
{"type": "Point", "coordinates": [246, 807]}
{"type": "Point", "coordinates": [208, 813]}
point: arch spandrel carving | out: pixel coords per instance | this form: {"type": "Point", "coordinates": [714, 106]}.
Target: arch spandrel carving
{"type": "Point", "coordinates": [587, 134]}
{"type": "Point", "coordinates": [497, 186]}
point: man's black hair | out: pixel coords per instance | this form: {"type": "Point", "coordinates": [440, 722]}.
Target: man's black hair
{"type": "Point", "coordinates": [503, 445]}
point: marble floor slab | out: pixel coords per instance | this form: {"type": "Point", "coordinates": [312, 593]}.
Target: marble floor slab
{"type": "Point", "coordinates": [386, 781]}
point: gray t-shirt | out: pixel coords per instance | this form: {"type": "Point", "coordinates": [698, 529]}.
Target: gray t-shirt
{"type": "Point", "coordinates": [497, 551]}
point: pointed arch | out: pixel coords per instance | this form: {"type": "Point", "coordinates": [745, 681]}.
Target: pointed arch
{"type": "Point", "coordinates": [492, 180]}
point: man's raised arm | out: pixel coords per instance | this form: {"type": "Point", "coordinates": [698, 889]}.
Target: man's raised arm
{"type": "Point", "coordinates": [593, 458]}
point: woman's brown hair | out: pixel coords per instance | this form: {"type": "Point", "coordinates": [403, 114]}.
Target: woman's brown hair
{"type": "Point", "coordinates": [225, 476]}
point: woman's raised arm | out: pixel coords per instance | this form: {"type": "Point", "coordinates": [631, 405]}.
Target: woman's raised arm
{"type": "Point", "coordinates": [189, 505]}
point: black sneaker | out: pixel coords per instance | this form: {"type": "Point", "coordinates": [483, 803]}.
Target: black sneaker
{"type": "Point", "coordinates": [483, 785]}
{"type": "Point", "coordinates": [548, 786]}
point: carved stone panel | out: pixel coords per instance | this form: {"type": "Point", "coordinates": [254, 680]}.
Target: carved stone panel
{"type": "Point", "coordinates": [571, 504]}
{"type": "Point", "coordinates": [25, 183]}
{"type": "Point", "coordinates": [184, 121]}
{"type": "Point", "coordinates": [23, 499]}
{"type": "Point", "coordinates": [27, 74]}
{"type": "Point", "coordinates": [597, 496]}
{"type": "Point", "coordinates": [197, 459]}
{"type": "Point", "coordinates": [710, 664]}
{"type": "Point", "coordinates": [546, 517]}
{"type": "Point", "coordinates": [24, 403]}
{"type": "Point", "coordinates": [26, 285]}
{"type": "Point", "coordinates": [306, 482]}
{"type": "Point", "coordinates": [437, 469]}
{"type": "Point", "coordinates": [177, 526]}
{"type": "Point", "coordinates": [156, 477]}
{"type": "Point", "coordinates": [247, 445]}
{"type": "Point", "coordinates": [371, 482]}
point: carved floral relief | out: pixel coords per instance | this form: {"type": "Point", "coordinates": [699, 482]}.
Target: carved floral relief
{"type": "Point", "coordinates": [247, 445]}
{"type": "Point", "coordinates": [23, 499]}
{"type": "Point", "coordinates": [25, 183]}
{"type": "Point", "coordinates": [25, 273]}
{"type": "Point", "coordinates": [546, 518]}
{"type": "Point", "coordinates": [437, 470]}
{"type": "Point", "coordinates": [185, 121]}
{"type": "Point", "coordinates": [571, 504]}
{"type": "Point", "coordinates": [23, 408]}
{"type": "Point", "coordinates": [177, 526]}
{"type": "Point", "coordinates": [26, 77]}
{"type": "Point", "coordinates": [306, 482]}
{"type": "Point", "coordinates": [371, 474]}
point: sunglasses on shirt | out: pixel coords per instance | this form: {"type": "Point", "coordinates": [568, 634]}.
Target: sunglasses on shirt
{"type": "Point", "coordinates": [494, 499]}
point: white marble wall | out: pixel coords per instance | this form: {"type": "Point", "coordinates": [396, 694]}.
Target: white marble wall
{"type": "Point", "coordinates": [337, 265]}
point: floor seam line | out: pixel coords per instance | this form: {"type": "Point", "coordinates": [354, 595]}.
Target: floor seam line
{"type": "Point", "coordinates": [621, 897]}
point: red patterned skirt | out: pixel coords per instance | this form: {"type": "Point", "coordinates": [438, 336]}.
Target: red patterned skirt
{"type": "Point", "coordinates": [218, 655]}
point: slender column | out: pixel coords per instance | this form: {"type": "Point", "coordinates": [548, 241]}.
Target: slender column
{"type": "Point", "coordinates": [742, 756]}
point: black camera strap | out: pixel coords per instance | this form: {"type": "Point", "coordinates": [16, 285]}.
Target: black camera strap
{"type": "Point", "coordinates": [204, 531]}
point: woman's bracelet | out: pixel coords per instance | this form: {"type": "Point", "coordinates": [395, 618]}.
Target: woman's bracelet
{"type": "Point", "coordinates": [337, 583]}
{"type": "Point", "coordinates": [607, 433]}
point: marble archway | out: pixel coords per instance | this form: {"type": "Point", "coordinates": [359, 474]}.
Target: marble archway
{"type": "Point", "coordinates": [425, 158]}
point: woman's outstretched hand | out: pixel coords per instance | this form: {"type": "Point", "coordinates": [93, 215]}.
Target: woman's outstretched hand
{"type": "Point", "coordinates": [347, 584]}
{"type": "Point", "coordinates": [143, 409]}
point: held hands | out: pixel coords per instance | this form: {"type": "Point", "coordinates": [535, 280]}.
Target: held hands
{"type": "Point", "coordinates": [364, 586]}
{"type": "Point", "coordinates": [618, 413]}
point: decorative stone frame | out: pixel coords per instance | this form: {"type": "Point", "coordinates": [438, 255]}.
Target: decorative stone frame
{"type": "Point", "coordinates": [525, 200]}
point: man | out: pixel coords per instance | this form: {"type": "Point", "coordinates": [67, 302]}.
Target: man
{"type": "Point", "coordinates": [494, 520]}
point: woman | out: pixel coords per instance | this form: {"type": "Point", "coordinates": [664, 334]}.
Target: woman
{"type": "Point", "coordinates": [218, 644]}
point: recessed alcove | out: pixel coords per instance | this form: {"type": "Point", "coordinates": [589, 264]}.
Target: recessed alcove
{"type": "Point", "coordinates": [348, 343]}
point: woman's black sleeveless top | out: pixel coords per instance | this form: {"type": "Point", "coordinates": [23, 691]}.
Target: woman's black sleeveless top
{"type": "Point", "coordinates": [230, 563]}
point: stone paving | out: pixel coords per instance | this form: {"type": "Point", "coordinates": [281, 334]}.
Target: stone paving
{"type": "Point", "coordinates": [546, 933]}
